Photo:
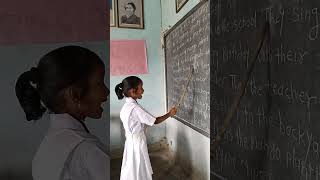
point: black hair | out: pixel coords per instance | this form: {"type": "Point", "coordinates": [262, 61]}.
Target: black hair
{"type": "Point", "coordinates": [132, 4]}
{"type": "Point", "coordinates": [57, 70]}
{"type": "Point", "coordinates": [131, 82]}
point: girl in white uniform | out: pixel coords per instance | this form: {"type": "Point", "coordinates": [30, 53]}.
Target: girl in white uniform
{"type": "Point", "coordinates": [69, 81]}
{"type": "Point", "coordinates": [136, 163]}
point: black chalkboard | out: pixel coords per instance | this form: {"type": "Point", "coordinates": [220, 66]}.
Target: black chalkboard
{"type": "Point", "coordinates": [275, 132]}
{"type": "Point", "coordinates": [187, 47]}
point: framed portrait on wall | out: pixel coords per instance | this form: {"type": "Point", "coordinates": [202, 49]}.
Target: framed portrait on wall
{"type": "Point", "coordinates": [130, 14]}
{"type": "Point", "coordinates": [113, 15]}
{"type": "Point", "coordinates": [180, 4]}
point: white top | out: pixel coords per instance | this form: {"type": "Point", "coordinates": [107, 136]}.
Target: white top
{"type": "Point", "coordinates": [134, 117]}
{"type": "Point", "coordinates": [68, 152]}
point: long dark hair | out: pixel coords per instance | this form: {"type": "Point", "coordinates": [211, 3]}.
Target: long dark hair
{"type": "Point", "coordinates": [39, 88]}
{"type": "Point", "coordinates": [131, 82]}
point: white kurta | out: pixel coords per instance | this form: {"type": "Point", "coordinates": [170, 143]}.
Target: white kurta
{"type": "Point", "coordinates": [68, 152]}
{"type": "Point", "coordinates": [135, 163]}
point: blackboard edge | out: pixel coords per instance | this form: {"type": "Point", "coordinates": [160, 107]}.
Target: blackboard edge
{"type": "Point", "coordinates": [199, 130]}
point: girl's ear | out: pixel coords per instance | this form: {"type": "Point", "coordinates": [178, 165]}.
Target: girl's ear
{"type": "Point", "coordinates": [131, 92]}
{"type": "Point", "coordinates": [134, 91]}
{"type": "Point", "coordinates": [73, 94]}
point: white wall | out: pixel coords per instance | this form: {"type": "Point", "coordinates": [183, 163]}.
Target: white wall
{"type": "Point", "coordinates": [191, 148]}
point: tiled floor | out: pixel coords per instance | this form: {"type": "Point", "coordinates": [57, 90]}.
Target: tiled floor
{"type": "Point", "coordinates": [163, 167]}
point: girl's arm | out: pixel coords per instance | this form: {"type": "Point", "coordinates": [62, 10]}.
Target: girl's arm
{"type": "Point", "coordinates": [160, 119]}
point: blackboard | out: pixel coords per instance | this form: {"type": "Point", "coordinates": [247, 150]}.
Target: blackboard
{"type": "Point", "coordinates": [275, 132]}
{"type": "Point", "coordinates": [187, 47]}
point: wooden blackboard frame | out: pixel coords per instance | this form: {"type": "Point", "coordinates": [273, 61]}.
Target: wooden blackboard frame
{"type": "Point", "coordinates": [201, 131]}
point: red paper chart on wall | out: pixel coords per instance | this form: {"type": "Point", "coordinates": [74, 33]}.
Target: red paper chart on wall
{"type": "Point", "coordinates": [128, 57]}
{"type": "Point", "coordinates": [53, 21]}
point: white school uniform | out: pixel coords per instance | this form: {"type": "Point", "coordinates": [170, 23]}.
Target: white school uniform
{"type": "Point", "coordinates": [135, 163]}
{"type": "Point", "coordinates": [68, 152]}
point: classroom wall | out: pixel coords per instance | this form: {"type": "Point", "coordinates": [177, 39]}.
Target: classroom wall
{"type": "Point", "coordinates": [19, 138]}
{"type": "Point", "coordinates": [153, 97]}
{"type": "Point", "coordinates": [192, 148]}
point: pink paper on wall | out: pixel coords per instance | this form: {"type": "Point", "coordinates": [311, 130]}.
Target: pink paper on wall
{"type": "Point", "coordinates": [52, 21]}
{"type": "Point", "coordinates": [128, 57]}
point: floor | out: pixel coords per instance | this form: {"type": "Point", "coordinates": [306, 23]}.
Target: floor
{"type": "Point", "coordinates": [163, 167]}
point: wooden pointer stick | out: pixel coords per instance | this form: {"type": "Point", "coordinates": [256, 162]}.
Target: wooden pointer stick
{"type": "Point", "coordinates": [186, 87]}
{"type": "Point", "coordinates": [243, 86]}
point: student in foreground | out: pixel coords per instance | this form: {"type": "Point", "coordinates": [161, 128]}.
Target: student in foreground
{"type": "Point", "coordinates": [69, 82]}
{"type": "Point", "coordinates": [136, 163]}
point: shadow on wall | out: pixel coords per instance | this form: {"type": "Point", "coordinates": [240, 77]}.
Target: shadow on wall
{"type": "Point", "coordinates": [183, 157]}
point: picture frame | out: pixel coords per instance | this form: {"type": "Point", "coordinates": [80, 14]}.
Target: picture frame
{"type": "Point", "coordinates": [113, 13]}
{"type": "Point", "coordinates": [180, 4]}
{"type": "Point", "coordinates": [130, 14]}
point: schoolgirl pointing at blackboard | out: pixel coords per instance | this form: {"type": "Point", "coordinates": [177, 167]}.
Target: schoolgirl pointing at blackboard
{"type": "Point", "coordinates": [136, 163]}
